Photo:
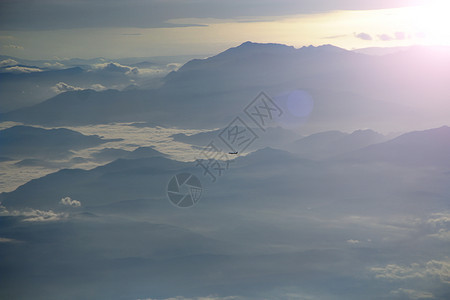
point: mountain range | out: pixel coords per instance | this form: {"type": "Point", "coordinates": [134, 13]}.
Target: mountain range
{"type": "Point", "coordinates": [146, 172]}
{"type": "Point", "coordinates": [326, 203]}
{"type": "Point", "coordinates": [33, 142]}
{"type": "Point", "coordinates": [350, 90]}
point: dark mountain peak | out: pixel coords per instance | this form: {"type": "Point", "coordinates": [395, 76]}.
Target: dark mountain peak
{"type": "Point", "coordinates": [140, 163]}
{"type": "Point", "coordinates": [144, 152]}
{"type": "Point", "coordinates": [252, 45]}
{"type": "Point", "coordinates": [250, 48]}
{"type": "Point", "coordinates": [365, 133]}
{"type": "Point", "coordinates": [34, 142]}
{"type": "Point", "coordinates": [327, 48]}
{"type": "Point", "coordinates": [253, 50]}
{"type": "Point", "coordinates": [19, 130]}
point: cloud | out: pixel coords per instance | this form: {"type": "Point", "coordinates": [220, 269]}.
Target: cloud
{"type": "Point", "coordinates": [42, 216]}
{"type": "Point", "coordinates": [440, 223]}
{"type": "Point", "coordinates": [54, 65]}
{"type": "Point", "coordinates": [38, 15]}
{"type": "Point", "coordinates": [8, 240]}
{"type": "Point", "coordinates": [431, 269]}
{"type": "Point", "coordinates": [385, 37]}
{"type": "Point", "coordinates": [8, 62]}
{"type": "Point", "coordinates": [69, 202]}
{"type": "Point", "coordinates": [34, 215]}
{"type": "Point", "coordinates": [116, 67]}
{"type": "Point", "coordinates": [412, 294]}
{"type": "Point", "coordinates": [353, 242]}
{"type": "Point", "coordinates": [61, 87]}
{"type": "Point", "coordinates": [363, 36]}
{"type": "Point", "coordinates": [11, 46]}
{"type": "Point", "coordinates": [173, 66]}
{"type": "Point", "coordinates": [440, 218]}
{"type": "Point", "coordinates": [442, 234]}
{"type": "Point", "coordinates": [19, 69]}
{"type": "Point", "coordinates": [397, 36]}
{"type": "Point", "coordinates": [98, 87]}
{"type": "Point", "coordinates": [334, 36]}
{"type": "Point", "coordinates": [400, 35]}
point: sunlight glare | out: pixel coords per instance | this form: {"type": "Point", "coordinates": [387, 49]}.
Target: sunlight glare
{"type": "Point", "coordinates": [432, 20]}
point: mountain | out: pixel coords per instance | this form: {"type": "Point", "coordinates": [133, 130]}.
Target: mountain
{"type": "Point", "coordinates": [349, 90]}
{"type": "Point", "coordinates": [419, 148]}
{"type": "Point", "coordinates": [271, 220]}
{"type": "Point", "coordinates": [331, 143]}
{"type": "Point", "coordinates": [81, 107]}
{"type": "Point", "coordinates": [257, 65]}
{"type": "Point", "coordinates": [265, 174]}
{"type": "Point", "coordinates": [276, 137]}
{"type": "Point", "coordinates": [23, 85]}
{"type": "Point", "coordinates": [119, 180]}
{"type": "Point", "coordinates": [109, 154]}
{"type": "Point", "coordinates": [25, 89]}
{"type": "Point", "coordinates": [33, 142]}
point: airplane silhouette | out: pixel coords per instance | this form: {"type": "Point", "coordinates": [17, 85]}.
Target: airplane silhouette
{"type": "Point", "coordinates": [233, 152]}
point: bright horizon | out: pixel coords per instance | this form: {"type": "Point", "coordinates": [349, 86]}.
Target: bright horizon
{"type": "Point", "coordinates": [419, 24]}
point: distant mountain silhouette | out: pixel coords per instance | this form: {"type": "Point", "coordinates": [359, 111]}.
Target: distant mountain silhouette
{"type": "Point", "coordinates": [419, 148]}
{"type": "Point", "coordinates": [33, 142]}
{"type": "Point", "coordinates": [276, 137]}
{"type": "Point", "coordinates": [119, 180]}
{"type": "Point", "coordinates": [109, 154]}
{"type": "Point", "coordinates": [331, 143]}
{"type": "Point", "coordinates": [350, 90]}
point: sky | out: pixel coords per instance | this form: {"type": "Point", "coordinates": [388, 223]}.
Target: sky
{"type": "Point", "coordinates": [51, 29]}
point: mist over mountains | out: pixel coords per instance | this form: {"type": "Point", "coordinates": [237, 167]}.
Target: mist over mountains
{"type": "Point", "coordinates": [350, 90]}
{"type": "Point", "coordinates": [25, 83]}
{"type": "Point", "coordinates": [343, 194]}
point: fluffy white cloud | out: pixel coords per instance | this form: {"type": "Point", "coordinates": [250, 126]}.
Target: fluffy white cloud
{"type": "Point", "coordinates": [70, 202]}
{"type": "Point", "coordinates": [353, 242]}
{"type": "Point", "coordinates": [439, 218]}
{"type": "Point", "coordinates": [34, 215]}
{"type": "Point", "coordinates": [61, 87]}
{"type": "Point", "coordinates": [8, 62]}
{"type": "Point", "coordinates": [116, 67]}
{"type": "Point", "coordinates": [413, 294]}
{"type": "Point", "coordinates": [431, 269]}
{"type": "Point", "coordinates": [98, 87]}
{"type": "Point", "coordinates": [440, 223]}
{"type": "Point", "coordinates": [18, 69]}
{"type": "Point", "coordinates": [54, 65]}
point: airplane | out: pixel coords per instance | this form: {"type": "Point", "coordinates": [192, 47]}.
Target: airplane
{"type": "Point", "coordinates": [233, 152]}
